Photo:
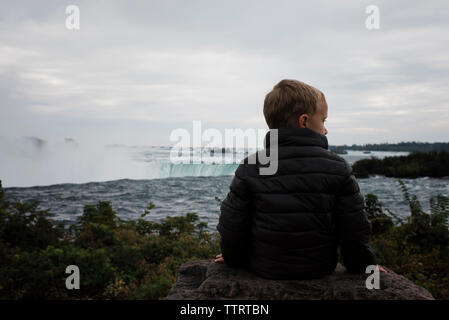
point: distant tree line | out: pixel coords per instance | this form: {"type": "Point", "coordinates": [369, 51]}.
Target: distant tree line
{"type": "Point", "coordinates": [338, 149]}
{"type": "Point", "coordinates": [414, 165]}
{"type": "Point", "coordinates": [401, 146]}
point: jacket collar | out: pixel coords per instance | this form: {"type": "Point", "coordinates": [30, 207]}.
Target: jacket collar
{"type": "Point", "coordinates": [297, 137]}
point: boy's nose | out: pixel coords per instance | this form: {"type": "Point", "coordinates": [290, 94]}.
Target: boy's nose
{"type": "Point", "coordinates": [325, 131]}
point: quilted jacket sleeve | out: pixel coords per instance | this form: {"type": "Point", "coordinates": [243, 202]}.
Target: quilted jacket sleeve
{"type": "Point", "coordinates": [353, 227]}
{"type": "Point", "coordinates": [235, 223]}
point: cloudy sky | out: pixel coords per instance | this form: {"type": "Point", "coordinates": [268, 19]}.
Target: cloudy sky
{"type": "Point", "coordinates": [136, 70]}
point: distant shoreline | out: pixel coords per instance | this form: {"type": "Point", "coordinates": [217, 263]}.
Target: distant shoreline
{"type": "Point", "coordinates": [433, 164]}
{"type": "Point", "coordinates": [401, 146]}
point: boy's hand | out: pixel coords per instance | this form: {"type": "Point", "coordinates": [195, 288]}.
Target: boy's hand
{"type": "Point", "coordinates": [381, 269]}
{"type": "Point", "coordinates": [219, 259]}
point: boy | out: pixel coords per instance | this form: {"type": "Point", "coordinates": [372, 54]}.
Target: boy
{"type": "Point", "coordinates": [289, 225]}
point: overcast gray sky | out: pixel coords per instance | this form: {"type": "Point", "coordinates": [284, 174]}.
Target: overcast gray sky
{"type": "Point", "coordinates": [136, 70]}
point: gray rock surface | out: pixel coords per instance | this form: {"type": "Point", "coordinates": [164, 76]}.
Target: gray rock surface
{"type": "Point", "coordinates": [206, 280]}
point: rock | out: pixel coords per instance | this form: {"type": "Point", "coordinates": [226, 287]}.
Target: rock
{"type": "Point", "coordinates": [207, 280]}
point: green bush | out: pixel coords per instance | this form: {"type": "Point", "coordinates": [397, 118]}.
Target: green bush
{"type": "Point", "coordinates": [414, 165]}
{"type": "Point", "coordinates": [118, 259]}
{"type": "Point", "coordinates": [139, 259]}
{"type": "Point", "coordinates": [416, 246]}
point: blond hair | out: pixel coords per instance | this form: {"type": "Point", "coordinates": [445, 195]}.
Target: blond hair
{"type": "Point", "coordinates": [287, 101]}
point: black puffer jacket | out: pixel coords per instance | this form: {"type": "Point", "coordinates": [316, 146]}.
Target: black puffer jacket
{"type": "Point", "coordinates": [290, 224]}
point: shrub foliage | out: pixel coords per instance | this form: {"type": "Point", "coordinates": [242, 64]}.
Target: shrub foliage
{"type": "Point", "coordinates": [139, 259]}
{"type": "Point", "coordinates": [117, 259]}
{"type": "Point", "coordinates": [414, 165]}
{"type": "Point", "coordinates": [417, 246]}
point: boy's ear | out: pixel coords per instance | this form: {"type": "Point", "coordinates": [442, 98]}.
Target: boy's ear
{"type": "Point", "coordinates": [302, 120]}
